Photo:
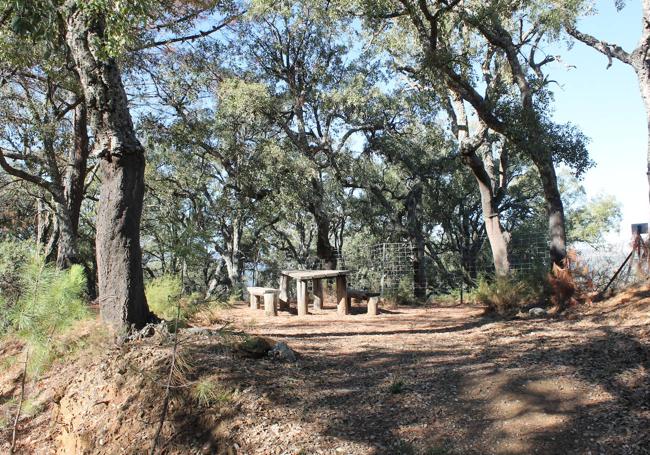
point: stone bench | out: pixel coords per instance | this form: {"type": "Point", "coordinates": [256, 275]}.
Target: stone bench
{"type": "Point", "coordinates": [371, 297]}
{"type": "Point", "coordinates": [270, 297]}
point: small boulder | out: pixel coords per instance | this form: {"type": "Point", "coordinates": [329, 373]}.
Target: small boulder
{"type": "Point", "coordinates": [282, 352]}
{"type": "Point", "coordinates": [537, 312]}
{"type": "Point", "coordinates": [254, 347]}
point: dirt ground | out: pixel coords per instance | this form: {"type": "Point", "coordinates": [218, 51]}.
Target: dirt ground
{"type": "Point", "coordinates": [409, 381]}
{"type": "Point", "coordinates": [447, 380]}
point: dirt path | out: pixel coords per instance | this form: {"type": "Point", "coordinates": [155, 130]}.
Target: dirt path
{"type": "Point", "coordinates": [446, 380]}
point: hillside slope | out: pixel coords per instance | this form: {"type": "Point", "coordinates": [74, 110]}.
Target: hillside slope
{"type": "Point", "coordinates": [411, 381]}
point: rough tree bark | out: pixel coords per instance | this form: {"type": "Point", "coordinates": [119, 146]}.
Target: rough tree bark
{"type": "Point", "coordinates": [47, 232]}
{"type": "Point", "coordinates": [119, 257]}
{"type": "Point", "coordinates": [638, 59]}
{"type": "Point", "coordinates": [233, 258]}
{"type": "Point", "coordinates": [73, 191]}
{"type": "Point", "coordinates": [490, 207]}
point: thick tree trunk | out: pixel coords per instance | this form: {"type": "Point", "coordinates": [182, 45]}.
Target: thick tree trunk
{"type": "Point", "coordinates": [554, 207]}
{"type": "Point", "coordinates": [494, 231]}
{"type": "Point", "coordinates": [73, 192]}
{"type": "Point", "coordinates": [67, 254]}
{"type": "Point", "coordinates": [234, 276]}
{"type": "Point", "coordinates": [642, 68]}
{"type": "Point", "coordinates": [47, 231]}
{"type": "Point", "coordinates": [119, 258]}
{"type": "Point", "coordinates": [324, 249]}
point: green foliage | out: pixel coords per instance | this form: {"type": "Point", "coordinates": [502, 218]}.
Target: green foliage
{"type": "Point", "coordinates": [163, 294]}
{"type": "Point", "coordinates": [588, 220]}
{"type": "Point", "coordinates": [504, 295]}
{"type": "Point", "coordinates": [121, 18]}
{"type": "Point", "coordinates": [165, 298]}
{"type": "Point", "coordinates": [38, 301]}
{"type": "Point", "coordinates": [396, 386]}
{"type": "Point", "coordinates": [208, 393]}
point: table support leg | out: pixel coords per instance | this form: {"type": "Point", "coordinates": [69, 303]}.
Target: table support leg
{"type": "Point", "coordinates": [269, 304]}
{"type": "Point", "coordinates": [253, 301]}
{"type": "Point", "coordinates": [342, 295]}
{"type": "Point", "coordinates": [301, 288]}
{"type": "Point", "coordinates": [318, 294]}
{"type": "Point", "coordinates": [284, 292]}
{"type": "Point", "coordinates": [373, 306]}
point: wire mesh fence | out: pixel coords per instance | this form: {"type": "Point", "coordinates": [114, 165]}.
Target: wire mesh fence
{"type": "Point", "coordinates": [397, 268]}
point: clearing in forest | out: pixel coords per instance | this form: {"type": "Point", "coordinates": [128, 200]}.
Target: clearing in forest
{"type": "Point", "coordinates": [410, 381]}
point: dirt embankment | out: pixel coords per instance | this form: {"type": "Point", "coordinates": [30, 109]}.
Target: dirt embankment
{"type": "Point", "coordinates": [410, 381]}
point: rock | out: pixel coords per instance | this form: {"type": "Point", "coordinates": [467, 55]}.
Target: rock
{"type": "Point", "coordinates": [537, 312]}
{"type": "Point", "coordinates": [283, 353]}
{"type": "Point", "coordinates": [254, 347]}
{"type": "Point", "coordinates": [202, 331]}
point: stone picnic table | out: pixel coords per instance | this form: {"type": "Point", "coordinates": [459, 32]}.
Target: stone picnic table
{"type": "Point", "coordinates": [316, 277]}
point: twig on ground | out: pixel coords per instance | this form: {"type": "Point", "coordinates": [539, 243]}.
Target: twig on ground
{"type": "Point", "coordinates": [20, 405]}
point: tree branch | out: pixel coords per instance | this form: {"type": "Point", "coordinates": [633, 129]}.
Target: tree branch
{"type": "Point", "coordinates": [36, 180]}
{"type": "Point", "coordinates": [611, 51]}
{"type": "Point", "coordinates": [192, 37]}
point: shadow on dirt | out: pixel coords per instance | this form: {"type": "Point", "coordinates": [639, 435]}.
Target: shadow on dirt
{"type": "Point", "coordinates": [534, 397]}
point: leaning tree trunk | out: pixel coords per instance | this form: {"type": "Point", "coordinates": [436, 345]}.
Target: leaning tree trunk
{"type": "Point", "coordinates": [554, 207]}
{"type": "Point", "coordinates": [119, 257]}
{"type": "Point", "coordinates": [494, 231]}
{"type": "Point", "coordinates": [489, 204]}
{"type": "Point", "coordinates": [73, 192]}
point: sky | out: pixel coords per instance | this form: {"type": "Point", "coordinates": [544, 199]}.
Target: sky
{"type": "Point", "coordinates": [606, 105]}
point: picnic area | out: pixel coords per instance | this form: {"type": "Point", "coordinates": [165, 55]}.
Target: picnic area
{"type": "Point", "coordinates": [324, 227]}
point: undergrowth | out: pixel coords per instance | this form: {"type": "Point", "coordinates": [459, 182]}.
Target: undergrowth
{"type": "Point", "coordinates": [38, 302]}
{"type": "Point", "coordinates": [207, 392]}
{"type": "Point", "coordinates": [507, 295]}
{"type": "Point", "coordinates": [165, 298]}
{"type": "Point", "coordinates": [402, 295]}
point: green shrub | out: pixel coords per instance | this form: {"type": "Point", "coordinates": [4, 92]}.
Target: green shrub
{"type": "Point", "coordinates": [163, 294]}
{"type": "Point", "coordinates": [402, 294]}
{"type": "Point", "coordinates": [505, 295]}
{"type": "Point", "coordinates": [208, 393]}
{"type": "Point", "coordinates": [41, 301]}
{"type": "Point", "coordinates": [396, 385]}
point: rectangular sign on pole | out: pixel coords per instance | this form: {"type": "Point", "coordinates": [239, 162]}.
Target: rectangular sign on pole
{"type": "Point", "coordinates": [640, 228]}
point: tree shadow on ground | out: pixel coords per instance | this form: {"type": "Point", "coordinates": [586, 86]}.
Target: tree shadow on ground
{"type": "Point", "coordinates": [564, 393]}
